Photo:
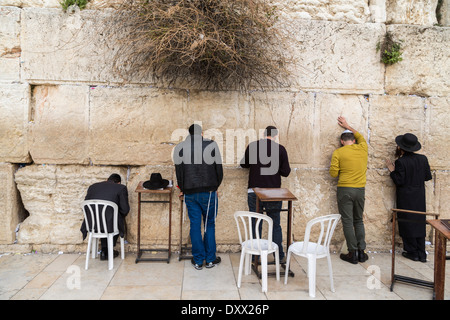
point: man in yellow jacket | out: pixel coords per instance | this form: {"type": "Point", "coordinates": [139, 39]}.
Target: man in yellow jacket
{"type": "Point", "coordinates": [349, 162]}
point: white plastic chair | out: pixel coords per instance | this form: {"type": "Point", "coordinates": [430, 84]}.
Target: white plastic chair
{"type": "Point", "coordinates": [315, 250]}
{"type": "Point", "coordinates": [99, 228]}
{"type": "Point", "coordinates": [252, 244]}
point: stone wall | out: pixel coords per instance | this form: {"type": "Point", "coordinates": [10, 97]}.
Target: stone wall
{"type": "Point", "coordinates": [67, 120]}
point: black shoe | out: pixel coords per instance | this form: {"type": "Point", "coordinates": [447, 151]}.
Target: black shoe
{"type": "Point", "coordinates": [214, 263]}
{"type": "Point", "coordinates": [362, 256]}
{"type": "Point", "coordinates": [410, 256]}
{"type": "Point", "coordinates": [423, 257]}
{"type": "Point", "coordinates": [104, 254]}
{"type": "Point", "coordinates": [351, 257]}
{"type": "Point", "coordinates": [196, 266]}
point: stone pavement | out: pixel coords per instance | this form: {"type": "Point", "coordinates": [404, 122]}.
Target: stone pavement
{"type": "Point", "coordinates": [38, 276]}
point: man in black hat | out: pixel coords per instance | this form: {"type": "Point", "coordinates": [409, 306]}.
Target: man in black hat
{"type": "Point", "coordinates": [110, 190]}
{"type": "Point", "coordinates": [409, 173]}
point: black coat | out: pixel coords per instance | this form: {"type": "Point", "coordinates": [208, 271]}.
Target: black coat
{"type": "Point", "coordinates": [198, 165]}
{"type": "Point", "coordinates": [110, 191]}
{"type": "Point", "coordinates": [411, 171]}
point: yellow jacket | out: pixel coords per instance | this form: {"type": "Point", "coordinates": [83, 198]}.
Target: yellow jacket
{"type": "Point", "coordinates": [350, 163]}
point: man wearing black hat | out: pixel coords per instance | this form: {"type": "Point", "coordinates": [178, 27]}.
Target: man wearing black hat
{"type": "Point", "coordinates": [409, 173]}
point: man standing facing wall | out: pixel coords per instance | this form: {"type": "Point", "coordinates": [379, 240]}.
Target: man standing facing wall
{"type": "Point", "coordinates": [198, 166]}
{"type": "Point", "coordinates": [267, 162]}
{"type": "Point", "coordinates": [349, 162]}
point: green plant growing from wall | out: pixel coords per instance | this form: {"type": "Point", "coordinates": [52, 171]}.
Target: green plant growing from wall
{"type": "Point", "coordinates": [65, 4]}
{"type": "Point", "coordinates": [391, 50]}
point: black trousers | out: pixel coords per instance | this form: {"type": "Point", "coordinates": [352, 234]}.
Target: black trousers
{"type": "Point", "coordinates": [104, 242]}
{"type": "Point", "coordinates": [415, 246]}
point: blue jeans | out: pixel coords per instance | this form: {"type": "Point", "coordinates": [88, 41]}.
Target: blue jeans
{"type": "Point", "coordinates": [197, 208]}
{"type": "Point", "coordinates": [272, 209]}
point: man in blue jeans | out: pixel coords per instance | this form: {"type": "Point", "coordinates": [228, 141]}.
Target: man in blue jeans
{"type": "Point", "coordinates": [267, 162]}
{"type": "Point", "coordinates": [198, 167]}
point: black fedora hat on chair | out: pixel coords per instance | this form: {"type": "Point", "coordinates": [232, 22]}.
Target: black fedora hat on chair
{"type": "Point", "coordinates": [408, 142]}
{"type": "Point", "coordinates": [156, 182]}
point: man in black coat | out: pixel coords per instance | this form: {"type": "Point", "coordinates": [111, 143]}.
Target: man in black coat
{"type": "Point", "coordinates": [267, 162]}
{"type": "Point", "coordinates": [110, 190]}
{"type": "Point", "coordinates": [409, 173]}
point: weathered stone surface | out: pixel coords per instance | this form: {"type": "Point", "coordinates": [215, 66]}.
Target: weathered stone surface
{"type": "Point", "coordinates": [436, 141]}
{"type": "Point", "coordinates": [293, 115]}
{"type": "Point", "coordinates": [420, 12]}
{"type": "Point", "coordinates": [11, 209]}
{"type": "Point", "coordinates": [424, 70]}
{"type": "Point", "coordinates": [9, 44]}
{"type": "Point", "coordinates": [326, 130]}
{"type": "Point", "coordinates": [31, 3]}
{"type": "Point", "coordinates": [52, 194]}
{"type": "Point", "coordinates": [60, 125]}
{"type": "Point", "coordinates": [139, 131]}
{"type": "Point", "coordinates": [342, 10]}
{"type": "Point", "coordinates": [391, 116]}
{"type": "Point", "coordinates": [441, 190]}
{"type": "Point", "coordinates": [65, 47]}
{"type": "Point", "coordinates": [315, 190]}
{"type": "Point", "coordinates": [336, 57]}
{"type": "Point", "coordinates": [14, 113]}
{"type": "Point", "coordinates": [443, 15]}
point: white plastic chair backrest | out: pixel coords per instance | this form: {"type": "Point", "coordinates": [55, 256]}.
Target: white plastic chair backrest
{"type": "Point", "coordinates": [245, 218]}
{"type": "Point", "coordinates": [95, 215]}
{"type": "Point", "coordinates": [327, 225]}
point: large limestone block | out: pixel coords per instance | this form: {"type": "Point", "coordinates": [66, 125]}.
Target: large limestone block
{"type": "Point", "coordinates": [340, 10]}
{"type": "Point", "coordinates": [60, 127]}
{"type": "Point", "coordinates": [135, 126]}
{"type": "Point", "coordinates": [327, 132]}
{"type": "Point", "coordinates": [11, 210]}
{"type": "Point", "coordinates": [227, 117]}
{"type": "Point", "coordinates": [442, 195]}
{"type": "Point", "coordinates": [232, 195]}
{"type": "Point", "coordinates": [420, 12]}
{"type": "Point", "coordinates": [294, 116]}
{"type": "Point", "coordinates": [424, 70]}
{"type": "Point", "coordinates": [9, 44]}
{"type": "Point", "coordinates": [52, 195]}
{"type": "Point", "coordinates": [336, 57]}
{"type": "Point", "coordinates": [61, 47]}
{"type": "Point", "coordinates": [390, 116]}
{"type": "Point", "coordinates": [14, 114]}
{"type": "Point", "coordinates": [315, 190]}
{"type": "Point", "coordinates": [379, 201]}
{"type": "Point", "coordinates": [436, 141]}
{"type": "Point", "coordinates": [307, 122]}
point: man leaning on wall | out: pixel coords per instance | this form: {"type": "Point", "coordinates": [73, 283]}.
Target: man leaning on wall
{"type": "Point", "coordinates": [349, 162]}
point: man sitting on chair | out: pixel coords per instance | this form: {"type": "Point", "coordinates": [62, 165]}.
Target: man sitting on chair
{"type": "Point", "coordinates": [110, 190]}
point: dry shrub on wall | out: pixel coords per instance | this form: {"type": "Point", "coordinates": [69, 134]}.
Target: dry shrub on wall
{"type": "Point", "coordinates": [211, 44]}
